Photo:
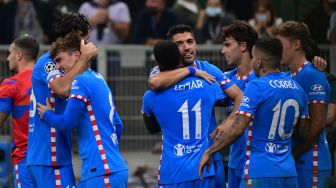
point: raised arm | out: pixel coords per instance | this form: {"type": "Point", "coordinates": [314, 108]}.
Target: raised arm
{"type": "Point", "coordinates": [62, 85]}
{"type": "Point", "coordinates": [164, 80]}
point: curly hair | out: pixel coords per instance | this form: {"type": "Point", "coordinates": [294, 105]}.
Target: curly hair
{"type": "Point", "coordinates": [68, 43]}
{"type": "Point", "coordinates": [241, 32]}
{"type": "Point", "coordinates": [71, 22]}
{"type": "Point", "coordinates": [296, 31]}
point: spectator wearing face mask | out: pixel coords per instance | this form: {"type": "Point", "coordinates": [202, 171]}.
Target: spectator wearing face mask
{"type": "Point", "coordinates": [210, 22]}
{"type": "Point", "coordinates": [264, 19]}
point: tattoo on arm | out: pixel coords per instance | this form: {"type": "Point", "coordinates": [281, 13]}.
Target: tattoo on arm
{"type": "Point", "coordinates": [230, 134]}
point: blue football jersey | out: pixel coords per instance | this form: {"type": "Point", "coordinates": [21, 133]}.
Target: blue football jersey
{"type": "Point", "coordinates": [275, 102]}
{"type": "Point", "coordinates": [317, 88]}
{"type": "Point", "coordinates": [184, 113]}
{"type": "Point", "coordinates": [96, 130]}
{"type": "Point", "coordinates": [44, 147]}
{"type": "Point", "coordinates": [238, 148]}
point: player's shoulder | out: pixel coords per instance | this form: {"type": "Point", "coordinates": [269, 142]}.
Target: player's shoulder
{"type": "Point", "coordinates": [11, 80]}
{"type": "Point", "coordinates": [230, 73]}
{"type": "Point", "coordinates": [149, 94]}
{"type": "Point", "coordinates": [311, 70]}
{"type": "Point", "coordinates": [45, 63]}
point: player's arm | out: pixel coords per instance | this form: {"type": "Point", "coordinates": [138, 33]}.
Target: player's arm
{"type": "Point", "coordinates": [7, 93]}
{"type": "Point", "coordinates": [317, 114]}
{"type": "Point", "coordinates": [302, 135]}
{"type": "Point", "coordinates": [230, 134]}
{"type": "Point", "coordinates": [164, 80]}
{"type": "Point", "coordinates": [62, 85]}
{"type": "Point", "coordinates": [331, 114]}
{"type": "Point", "coordinates": [152, 125]}
{"type": "Point", "coordinates": [67, 121]}
{"type": "Point", "coordinates": [237, 95]}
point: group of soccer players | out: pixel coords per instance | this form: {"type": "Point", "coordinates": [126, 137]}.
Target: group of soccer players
{"type": "Point", "coordinates": [277, 137]}
{"type": "Point", "coordinates": [275, 123]}
{"type": "Point", "coordinates": [59, 93]}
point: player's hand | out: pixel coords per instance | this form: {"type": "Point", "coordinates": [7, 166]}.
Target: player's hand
{"type": "Point", "coordinates": [42, 108]}
{"type": "Point", "coordinates": [319, 63]}
{"type": "Point", "coordinates": [88, 50]}
{"type": "Point", "coordinates": [206, 160]}
{"type": "Point", "coordinates": [202, 74]}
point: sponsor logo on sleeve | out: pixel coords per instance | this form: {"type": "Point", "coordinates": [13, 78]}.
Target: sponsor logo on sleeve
{"type": "Point", "coordinates": [317, 89]}
{"type": "Point", "coordinates": [74, 84]}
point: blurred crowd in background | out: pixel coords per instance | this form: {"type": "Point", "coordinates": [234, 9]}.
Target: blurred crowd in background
{"type": "Point", "coordinates": [147, 21]}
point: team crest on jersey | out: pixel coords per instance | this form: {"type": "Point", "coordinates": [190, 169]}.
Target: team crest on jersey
{"type": "Point", "coordinates": [114, 138]}
{"type": "Point", "coordinates": [179, 150]}
{"type": "Point", "coordinates": [49, 67]}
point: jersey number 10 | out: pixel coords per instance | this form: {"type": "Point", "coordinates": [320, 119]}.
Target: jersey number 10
{"type": "Point", "coordinates": [185, 119]}
{"type": "Point", "coordinates": [282, 116]}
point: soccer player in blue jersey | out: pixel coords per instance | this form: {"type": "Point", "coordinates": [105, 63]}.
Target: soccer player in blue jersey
{"type": "Point", "coordinates": [274, 103]}
{"type": "Point", "coordinates": [183, 37]}
{"type": "Point", "coordinates": [49, 150]}
{"type": "Point", "coordinates": [91, 111]}
{"type": "Point", "coordinates": [313, 162]}
{"type": "Point", "coordinates": [187, 105]}
{"type": "Point", "coordinates": [238, 39]}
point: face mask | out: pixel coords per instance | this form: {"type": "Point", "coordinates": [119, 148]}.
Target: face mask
{"type": "Point", "coordinates": [261, 18]}
{"type": "Point", "coordinates": [213, 11]}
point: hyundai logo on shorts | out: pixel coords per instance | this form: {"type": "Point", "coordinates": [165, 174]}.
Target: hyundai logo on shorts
{"type": "Point", "coordinates": [317, 87]}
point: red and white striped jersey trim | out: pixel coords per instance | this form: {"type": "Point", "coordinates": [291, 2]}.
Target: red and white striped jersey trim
{"type": "Point", "coordinates": [243, 77]}
{"type": "Point", "coordinates": [245, 113]}
{"type": "Point", "coordinates": [53, 144]}
{"type": "Point", "coordinates": [107, 181]}
{"type": "Point", "coordinates": [300, 69]}
{"type": "Point", "coordinates": [159, 168]}
{"type": "Point", "coordinates": [17, 176]}
{"type": "Point", "coordinates": [54, 78]}
{"type": "Point", "coordinates": [97, 137]}
{"type": "Point", "coordinates": [225, 82]}
{"type": "Point", "coordinates": [53, 133]}
{"type": "Point", "coordinates": [248, 151]}
{"type": "Point", "coordinates": [57, 177]}
{"type": "Point", "coordinates": [317, 102]}
{"type": "Point", "coordinates": [315, 166]}
{"type": "Point", "coordinates": [78, 97]}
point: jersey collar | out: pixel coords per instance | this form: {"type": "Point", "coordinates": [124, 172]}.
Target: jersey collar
{"type": "Point", "coordinates": [244, 77]}
{"type": "Point", "coordinates": [294, 73]}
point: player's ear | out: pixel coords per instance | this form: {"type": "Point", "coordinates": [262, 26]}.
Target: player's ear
{"type": "Point", "coordinates": [296, 44]}
{"type": "Point", "coordinates": [77, 54]}
{"type": "Point", "coordinates": [19, 55]}
{"type": "Point", "coordinates": [243, 46]}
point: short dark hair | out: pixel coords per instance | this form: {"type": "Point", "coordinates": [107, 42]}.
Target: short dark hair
{"type": "Point", "coordinates": [29, 46]}
{"type": "Point", "coordinates": [296, 31]}
{"type": "Point", "coordinates": [272, 47]}
{"type": "Point", "coordinates": [180, 28]}
{"type": "Point", "coordinates": [241, 32]}
{"type": "Point", "coordinates": [71, 22]}
{"type": "Point", "coordinates": [167, 55]}
{"type": "Point", "coordinates": [69, 43]}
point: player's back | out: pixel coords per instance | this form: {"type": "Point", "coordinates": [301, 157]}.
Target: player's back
{"type": "Point", "coordinates": [97, 138]}
{"type": "Point", "coordinates": [184, 112]}
{"type": "Point", "coordinates": [278, 101]}
{"type": "Point", "coordinates": [40, 137]}
{"type": "Point", "coordinates": [17, 90]}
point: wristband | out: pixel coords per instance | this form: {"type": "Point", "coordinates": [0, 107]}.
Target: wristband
{"type": "Point", "coordinates": [192, 71]}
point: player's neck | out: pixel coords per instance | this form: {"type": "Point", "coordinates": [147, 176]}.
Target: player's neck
{"type": "Point", "coordinates": [297, 62]}
{"type": "Point", "coordinates": [244, 68]}
{"type": "Point", "coordinates": [26, 66]}
{"type": "Point", "coordinates": [270, 71]}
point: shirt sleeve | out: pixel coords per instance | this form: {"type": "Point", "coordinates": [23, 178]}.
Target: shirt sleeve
{"type": "Point", "coordinates": [7, 94]}
{"type": "Point", "coordinates": [250, 101]}
{"type": "Point", "coordinates": [154, 71]}
{"type": "Point", "coordinates": [79, 90]}
{"type": "Point", "coordinates": [220, 77]}
{"type": "Point", "coordinates": [119, 13]}
{"type": "Point", "coordinates": [47, 71]}
{"type": "Point", "coordinates": [316, 88]}
{"type": "Point", "coordinates": [69, 120]}
{"type": "Point", "coordinates": [220, 95]}
{"type": "Point", "coordinates": [146, 103]}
